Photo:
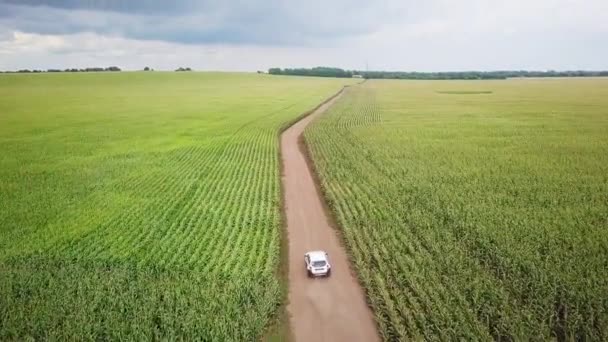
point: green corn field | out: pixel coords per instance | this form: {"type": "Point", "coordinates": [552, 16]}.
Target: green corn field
{"type": "Point", "coordinates": [473, 210]}
{"type": "Point", "coordinates": [146, 206]}
{"type": "Point", "coordinates": [140, 206]}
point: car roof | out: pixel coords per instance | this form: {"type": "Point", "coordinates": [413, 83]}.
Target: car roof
{"type": "Point", "coordinates": [317, 255]}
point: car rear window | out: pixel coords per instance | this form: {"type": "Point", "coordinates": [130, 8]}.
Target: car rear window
{"type": "Point", "coordinates": [319, 263]}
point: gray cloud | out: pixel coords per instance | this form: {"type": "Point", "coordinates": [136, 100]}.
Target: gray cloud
{"type": "Point", "coordinates": [273, 22]}
{"type": "Point", "coordinates": [247, 34]}
{"type": "Point", "coordinates": [139, 6]}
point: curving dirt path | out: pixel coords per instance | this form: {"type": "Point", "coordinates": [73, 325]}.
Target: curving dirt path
{"type": "Point", "coordinates": [323, 309]}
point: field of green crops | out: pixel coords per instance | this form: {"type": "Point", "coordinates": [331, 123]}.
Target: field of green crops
{"type": "Point", "coordinates": [139, 206]}
{"type": "Point", "coordinates": [474, 210]}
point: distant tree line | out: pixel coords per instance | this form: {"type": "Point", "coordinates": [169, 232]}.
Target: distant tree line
{"type": "Point", "coordinates": [316, 71]}
{"type": "Point", "coordinates": [479, 75]}
{"type": "Point", "coordinates": [112, 68]}
{"type": "Point", "coordinates": [95, 69]}
{"type": "Point", "coordinates": [459, 75]}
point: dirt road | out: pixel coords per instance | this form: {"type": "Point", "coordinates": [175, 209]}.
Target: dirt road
{"type": "Point", "coordinates": [323, 309]}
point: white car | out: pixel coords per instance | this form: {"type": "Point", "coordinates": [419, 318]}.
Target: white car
{"type": "Point", "coordinates": [317, 264]}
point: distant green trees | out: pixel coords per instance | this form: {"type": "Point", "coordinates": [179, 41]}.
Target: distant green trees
{"type": "Point", "coordinates": [459, 75]}
{"type": "Point", "coordinates": [91, 69]}
{"type": "Point", "coordinates": [316, 71]}
{"type": "Point", "coordinates": [479, 75]}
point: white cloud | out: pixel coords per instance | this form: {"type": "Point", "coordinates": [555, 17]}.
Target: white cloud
{"type": "Point", "coordinates": [23, 43]}
{"type": "Point", "coordinates": [26, 50]}
{"type": "Point", "coordinates": [395, 34]}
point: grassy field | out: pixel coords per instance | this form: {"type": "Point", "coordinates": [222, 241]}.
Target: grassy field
{"type": "Point", "coordinates": [474, 210]}
{"type": "Point", "coordinates": [143, 205]}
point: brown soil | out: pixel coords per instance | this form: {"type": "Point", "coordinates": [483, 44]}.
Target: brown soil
{"type": "Point", "coordinates": [322, 309]}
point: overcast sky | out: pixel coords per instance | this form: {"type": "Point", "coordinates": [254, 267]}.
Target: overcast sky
{"type": "Point", "coordinates": [431, 35]}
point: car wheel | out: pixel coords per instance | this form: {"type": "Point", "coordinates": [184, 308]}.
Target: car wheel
{"type": "Point", "coordinates": [309, 274]}
{"type": "Point", "coordinates": [329, 272]}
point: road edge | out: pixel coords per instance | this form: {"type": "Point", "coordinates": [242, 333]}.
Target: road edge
{"type": "Point", "coordinates": [331, 216]}
{"type": "Point", "coordinates": [279, 328]}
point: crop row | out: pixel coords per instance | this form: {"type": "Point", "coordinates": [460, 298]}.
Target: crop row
{"type": "Point", "coordinates": [143, 206]}
{"type": "Point", "coordinates": [452, 240]}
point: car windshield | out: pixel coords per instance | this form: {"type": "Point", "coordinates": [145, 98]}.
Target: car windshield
{"type": "Point", "coordinates": [319, 263]}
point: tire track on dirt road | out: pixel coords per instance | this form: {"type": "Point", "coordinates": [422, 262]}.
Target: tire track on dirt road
{"type": "Point", "coordinates": [324, 309]}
